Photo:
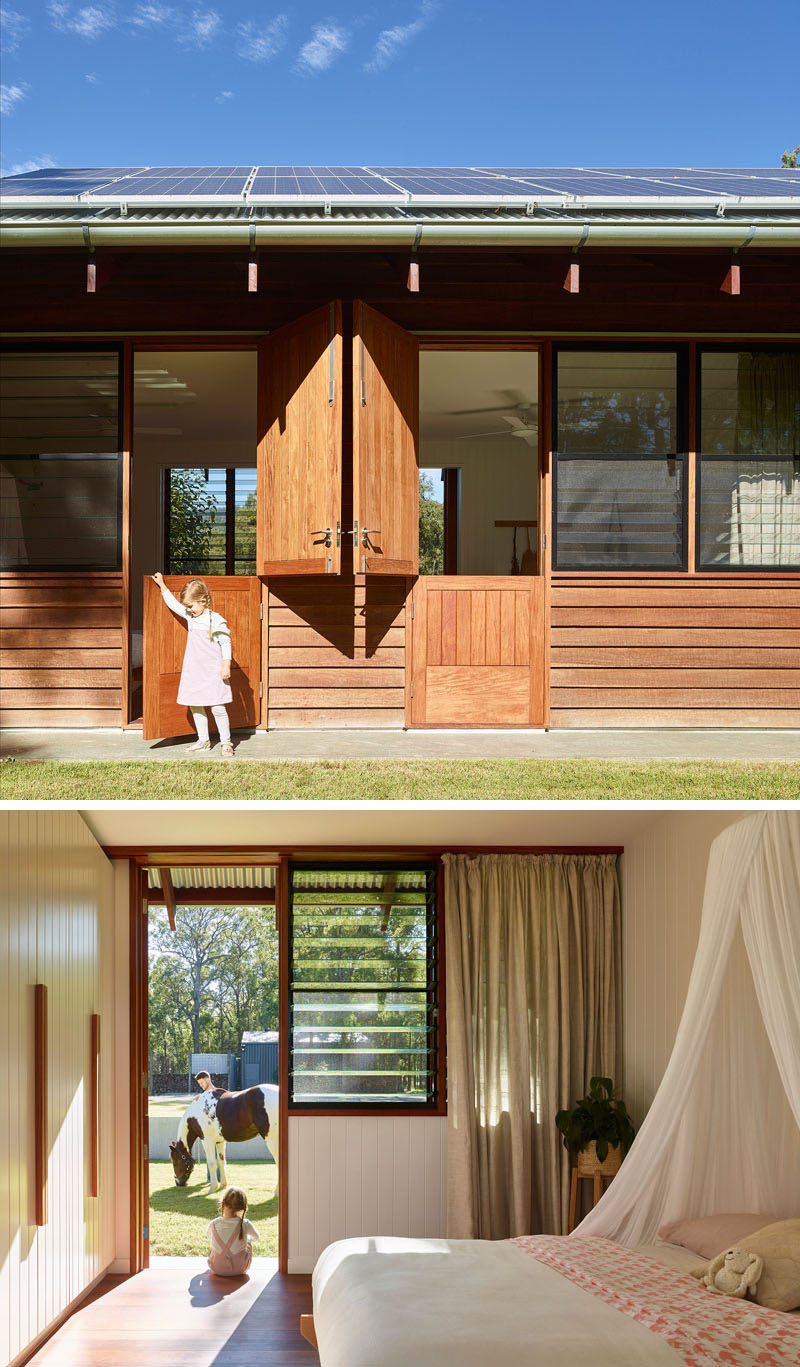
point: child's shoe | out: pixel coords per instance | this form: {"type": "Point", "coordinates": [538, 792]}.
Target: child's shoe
{"type": "Point", "coordinates": [198, 745]}
{"type": "Point", "coordinates": [226, 750]}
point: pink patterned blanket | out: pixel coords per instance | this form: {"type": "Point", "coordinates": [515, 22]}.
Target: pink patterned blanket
{"type": "Point", "coordinates": [706, 1330]}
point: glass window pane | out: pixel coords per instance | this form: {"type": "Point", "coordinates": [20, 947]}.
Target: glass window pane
{"type": "Point", "coordinates": [362, 965]}
{"type": "Point", "coordinates": [617, 403]}
{"type": "Point", "coordinates": [750, 513]}
{"type": "Point", "coordinates": [750, 403]}
{"type": "Point", "coordinates": [59, 460]}
{"type": "Point", "coordinates": [196, 521]}
{"type": "Point", "coordinates": [245, 522]}
{"type": "Point", "coordinates": [749, 508]}
{"type": "Point", "coordinates": [619, 514]}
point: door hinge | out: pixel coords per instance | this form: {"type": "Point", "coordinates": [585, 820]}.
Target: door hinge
{"type": "Point", "coordinates": [412, 609]}
{"type": "Point", "coordinates": [146, 1081]}
{"type": "Point", "coordinates": [261, 611]}
{"type": "Point", "coordinates": [412, 688]}
{"type": "Point", "coordinates": [145, 1233]}
{"type": "Point", "coordinates": [544, 541]}
{"type": "Point", "coordinates": [261, 688]}
{"type": "Point", "coordinates": [144, 1152]}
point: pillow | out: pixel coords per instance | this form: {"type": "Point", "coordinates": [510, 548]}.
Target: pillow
{"type": "Point", "coordinates": [778, 1244]}
{"type": "Point", "coordinates": [708, 1234]}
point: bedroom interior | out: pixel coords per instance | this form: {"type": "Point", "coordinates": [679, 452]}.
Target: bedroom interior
{"type": "Point", "coordinates": [538, 949]}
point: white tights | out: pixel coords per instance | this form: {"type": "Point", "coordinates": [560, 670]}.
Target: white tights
{"type": "Point", "coordinates": [220, 714]}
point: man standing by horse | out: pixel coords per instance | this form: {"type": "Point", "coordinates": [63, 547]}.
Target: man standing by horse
{"type": "Point", "coordinates": [217, 1116]}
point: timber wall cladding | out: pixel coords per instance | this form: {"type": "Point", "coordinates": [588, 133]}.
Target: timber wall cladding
{"type": "Point", "coordinates": [337, 652]}
{"type": "Point", "coordinates": [56, 928]}
{"type": "Point", "coordinates": [60, 649]}
{"type": "Point", "coordinates": [675, 651]}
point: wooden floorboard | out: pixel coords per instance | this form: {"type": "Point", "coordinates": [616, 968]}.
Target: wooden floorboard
{"type": "Point", "coordinates": [177, 1315]}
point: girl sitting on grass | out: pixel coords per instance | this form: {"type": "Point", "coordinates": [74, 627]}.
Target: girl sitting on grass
{"type": "Point", "coordinates": [231, 1236]}
{"type": "Point", "coordinates": [206, 673]}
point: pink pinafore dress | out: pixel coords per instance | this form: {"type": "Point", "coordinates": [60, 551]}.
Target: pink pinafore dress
{"type": "Point", "coordinates": [222, 1260]}
{"type": "Point", "coordinates": [201, 682]}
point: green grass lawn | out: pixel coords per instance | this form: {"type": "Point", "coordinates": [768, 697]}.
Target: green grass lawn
{"type": "Point", "coordinates": [169, 1105]}
{"type": "Point", "coordinates": [506, 780]}
{"type": "Point", "coordinates": [179, 1216]}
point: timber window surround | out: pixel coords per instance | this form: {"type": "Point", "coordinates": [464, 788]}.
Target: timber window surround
{"type": "Point", "coordinates": [620, 442]}
{"type": "Point", "coordinates": [748, 465]}
{"type": "Point", "coordinates": [363, 962]}
{"type": "Point", "coordinates": [61, 459]}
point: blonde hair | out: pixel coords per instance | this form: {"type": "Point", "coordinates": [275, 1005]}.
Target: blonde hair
{"type": "Point", "coordinates": [235, 1200]}
{"type": "Point", "coordinates": [197, 591]}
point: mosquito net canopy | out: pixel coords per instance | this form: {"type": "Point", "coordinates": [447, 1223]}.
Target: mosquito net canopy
{"type": "Point", "coordinates": [723, 1132]}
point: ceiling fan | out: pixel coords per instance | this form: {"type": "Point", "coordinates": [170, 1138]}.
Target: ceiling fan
{"type": "Point", "coordinates": [518, 412]}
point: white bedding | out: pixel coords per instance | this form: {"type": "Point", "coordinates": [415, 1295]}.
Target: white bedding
{"type": "Point", "coordinates": [385, 1302]}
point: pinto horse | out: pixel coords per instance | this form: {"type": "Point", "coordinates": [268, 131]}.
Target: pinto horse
{"type": "Point", "coordinates": [215, 1117]}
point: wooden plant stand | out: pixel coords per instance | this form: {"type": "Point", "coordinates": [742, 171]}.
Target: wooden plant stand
{"type": "Point", "coordinates": [589, 1165]}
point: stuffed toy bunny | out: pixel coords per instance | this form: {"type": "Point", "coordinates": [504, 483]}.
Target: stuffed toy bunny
{"type": "Point", "coordinates": [734, 1273]}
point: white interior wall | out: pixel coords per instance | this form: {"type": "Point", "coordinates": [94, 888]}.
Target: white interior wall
{"type": "Point", "coordinates": [56, 927]}
{"type": "Point", "coordinates": [663, 877]}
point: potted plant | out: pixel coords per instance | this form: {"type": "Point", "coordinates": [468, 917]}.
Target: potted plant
{"type": "Point", "coordinates": [597, 1130]}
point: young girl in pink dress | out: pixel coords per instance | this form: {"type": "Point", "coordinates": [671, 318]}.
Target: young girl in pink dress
{"type": "Point", "coordinates": [206, 673]}
{"type": "Point", "coordinates": [231, 1236]}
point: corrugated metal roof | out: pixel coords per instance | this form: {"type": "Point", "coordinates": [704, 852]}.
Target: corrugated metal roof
{"type": "Point", "coordinates": [260, 1037]}
{"type": "Point", "coordinates": [244, 876]}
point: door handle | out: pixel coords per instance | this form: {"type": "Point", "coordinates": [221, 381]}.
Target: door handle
{"type": "Point", "coordinates": [367, 532]}
{"type": "Point", "coordinates": [327, 532]}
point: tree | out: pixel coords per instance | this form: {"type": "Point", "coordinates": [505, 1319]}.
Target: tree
{"type": "Point", "coordinates": [790, 158]}
{"type": "Point", "coordinates": [431, 529]}
{"type": "Point", "coordinates": [192, 510]}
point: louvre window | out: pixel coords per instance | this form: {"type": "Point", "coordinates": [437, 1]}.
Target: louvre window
{"type": "Point", "coordinates": [749, 460]}
{"type": "Point", "coordinates": [60, 461]}
{"type": "Point", "coordinates": [363, 986]}
{"type": "Point", "coordinates": [619, 467]}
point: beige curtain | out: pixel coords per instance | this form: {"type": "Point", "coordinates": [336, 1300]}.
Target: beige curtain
{"type": "Point", "coordinates": [533, 954]}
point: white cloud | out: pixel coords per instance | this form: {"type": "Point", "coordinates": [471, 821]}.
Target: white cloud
{"type": "Point", "coordinates": [329, 41]}
{"type": "Point", "coordinates": [92, 77]}
{"type": "Point", "coordinates": [258, 45]}
{"type": "Point", "coordinates": [223, 97]}
{"type": "Point", "coordinates": [35, 164]}
{"type": "Point", "coordinates": [152, 16]}
{"type": "Point", "coordinates": [10, 96]}
{"type": "Point", "coordinates": [391, 41]}
{"type": "Point", "coordinates": [89, 21]}
{"type": "Point", "coordinates": [201, 28]}
{"type": "Point", "coordinates": [13, 27]}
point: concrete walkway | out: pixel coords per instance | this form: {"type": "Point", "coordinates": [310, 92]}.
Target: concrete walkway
{"type": "Point", "coordinates": [377, 745]}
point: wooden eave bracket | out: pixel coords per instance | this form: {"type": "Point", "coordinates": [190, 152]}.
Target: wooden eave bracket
{"type": "Point", "coordinates": [412, 280]}
{"type": "Point", "coordinates": [91, 265]}
{"type": "Point", "coordinates": [572, 279]}
{"type": "Point", "coordinates": [732, 282]}
{"type": "Point", "coordinates": [252, 265]}
{"type": "Point", "coordinates": [168, 892]}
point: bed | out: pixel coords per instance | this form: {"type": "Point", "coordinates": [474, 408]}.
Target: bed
{"type": "Point", "coordinates": [542, 1301]}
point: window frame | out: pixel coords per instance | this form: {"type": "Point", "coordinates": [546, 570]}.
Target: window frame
{"type": "Point", "coordinates": [435, 995]}
{"type": "Point", "coordinates": [71, 349]}
{"type": "Point", "coordinates": [680, 349]}
{"type": "Point", "coordinates": [727, 347]}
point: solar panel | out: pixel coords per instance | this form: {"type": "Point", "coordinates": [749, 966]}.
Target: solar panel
{"type": "Point", "coordinates": [54, 181]}
{"type": "Point", "coordinates": [391, 182]}
{"type": "Point", "coordinates": [318, 180]}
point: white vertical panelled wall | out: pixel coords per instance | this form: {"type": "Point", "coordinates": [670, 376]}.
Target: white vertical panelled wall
{"type": "Point", "coordinates": [351, 1175]}
{"type": "Point", "coordinates": [56, 927]}
{"type": "Point", "coordinates": [663, 873]}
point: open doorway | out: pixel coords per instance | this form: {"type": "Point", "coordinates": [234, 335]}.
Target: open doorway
{"type": "Point", "coordinates": [212, 1053]}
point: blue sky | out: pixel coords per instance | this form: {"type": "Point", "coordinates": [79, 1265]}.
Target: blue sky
{"type": "Point", "coordinates": [429, 82]}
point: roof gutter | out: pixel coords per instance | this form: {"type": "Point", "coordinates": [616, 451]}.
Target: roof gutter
{"type": "Point", "coordinates": [531, 233]}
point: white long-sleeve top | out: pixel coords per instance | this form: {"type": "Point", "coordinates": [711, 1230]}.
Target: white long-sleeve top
{"type": "Point", "coordinates": [220, 631]}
